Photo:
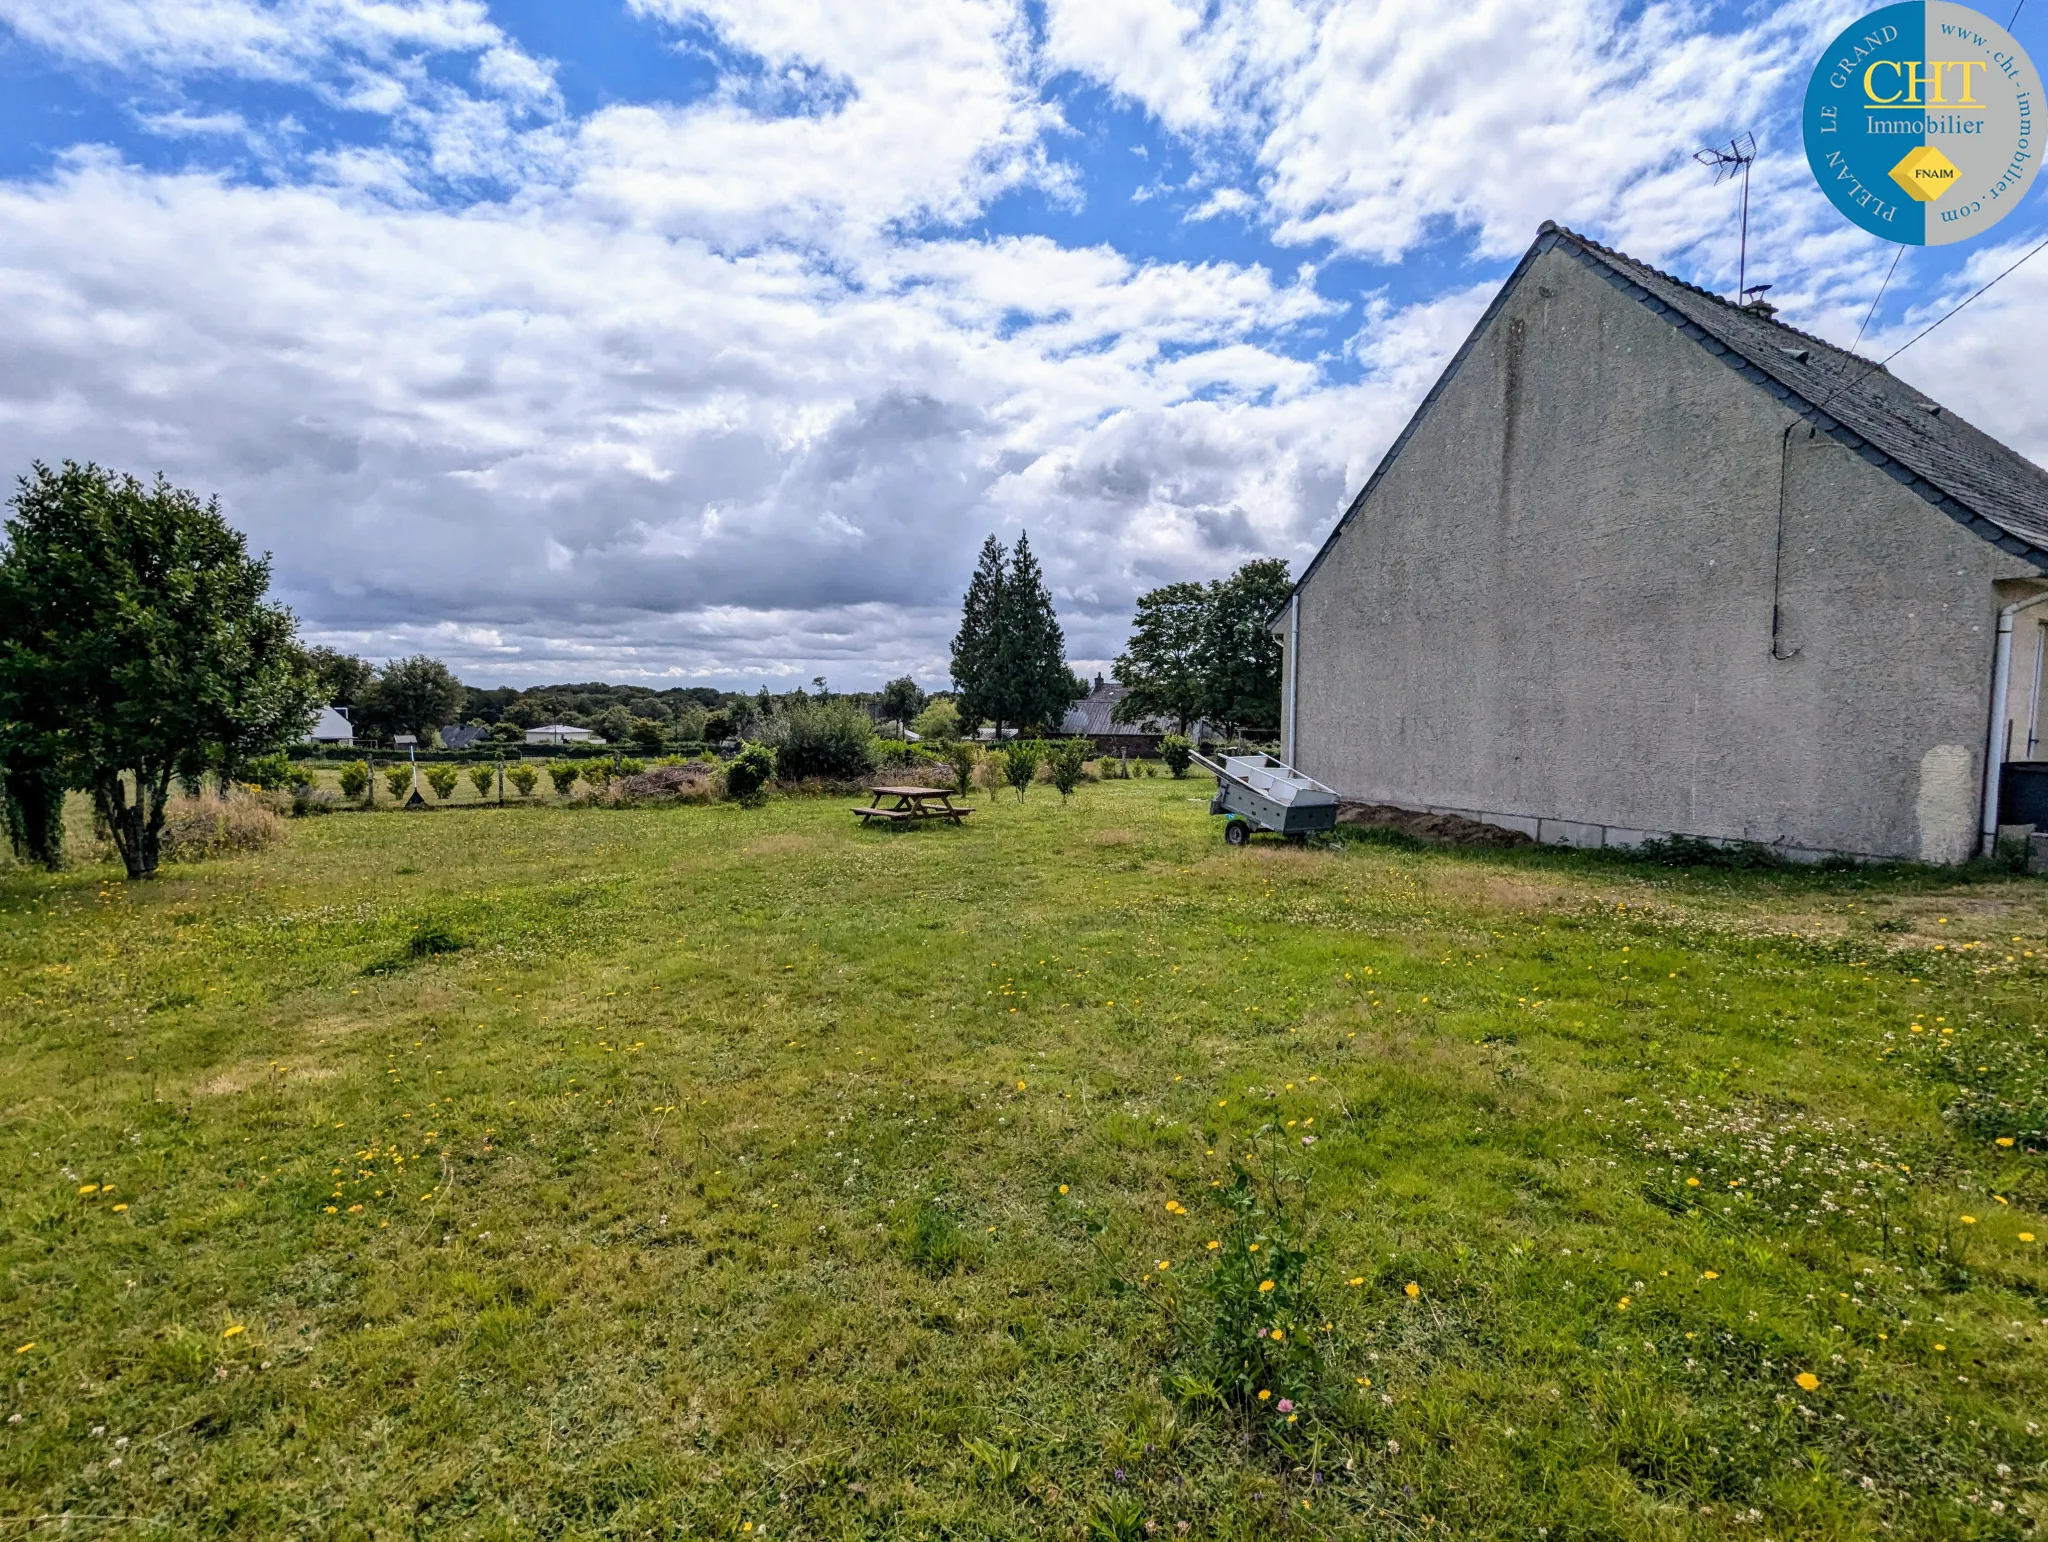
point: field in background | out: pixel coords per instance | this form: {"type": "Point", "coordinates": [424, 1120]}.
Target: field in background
{"type": "Point", "coordinates": [710, 1172]}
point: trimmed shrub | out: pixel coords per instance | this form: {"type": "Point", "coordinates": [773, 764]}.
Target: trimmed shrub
{"type": "Point", "coordinates": [442, 779]}
{"type": "Point", "coordinates": [275, 773]}
{"type": "Point", "coordinates": [563, 774]}
{"type": "Point", "coordinates": [355, 780]}
{"type": "Point", "coordinates": [1178, 752]}
{"type": "Point", "coordinates": [482, 777]}
{"type": "Point", "coordinates": [523, 777]}
{"type": "Point", "coordinates": [1021, 758]}
{"type": "Point", "coordinates": [628, 766]}
{"type": "Point", "coordinates": [749, 772]}
{"type": "Point", "coordinates": [1063, 763]}
{"type": "Point", "coordinates": [398, 779]}
{"type": "Point", "coordinates": [831, 740]}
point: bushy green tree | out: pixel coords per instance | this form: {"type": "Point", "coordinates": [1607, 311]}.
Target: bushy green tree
{"type": "Point", "coordinates": [563, 774]}
{"type": "Point", "coordinates": [961, 756]}
{"type": "Point", "coordinates": [1021, 759]}
{"type": "Point", "coordinates": [344, 678]}
{"type": "Point", "coordinates": [1161, 666]}
{"type": "Point", "coordinates": [901, 700]}
{"type": "Point", "coordinates": [1064, 761]}
{"type": "Point", "coordinates": [524, 778]}
{"type": "Point", "coordinates": [1240, 658]}
{"type": "Point", "coordinates": [747, 776]}
{"type": "Point", "coordinates": [355, 779]}
{"type": "Point", "coordinates": [1178, 753]}
{"type": "Point", "coordinates": [136, 646]}
{"type": "Point", "coordinates": [414, 696]}
{"type": "Point", "coordinates": [1009, 656]}
{"type": "Point", "coordinates": [482, 777]}
{"type": "Point", "coordinates": [646, 734]}
{"type": "Point", "coordinates": [442, 777]}
{"type": "Point", "coordinates": [398, 779]}
{"type": "Point", "coordinates": [939, 720]}
{"type": "Point", "coordinates": [829, 739]}
{"type": "Point", "coordinates": [976, 658]}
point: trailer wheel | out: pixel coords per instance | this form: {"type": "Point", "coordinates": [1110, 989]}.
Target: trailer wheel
{"type": "Point", "coordinates": [1236, 833]}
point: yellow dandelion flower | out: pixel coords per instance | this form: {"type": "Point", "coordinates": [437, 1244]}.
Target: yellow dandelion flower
{"type": "Point", "coordinates": [1264, 1394]}
{"type": "Point", "coordinates": [2026, 1236]}
{"type": "Point", "coordinates": [88, 1188]}
{"type": "Point", "coordinates": [1162, 1264]}
{"type": "Point", "coordinates": [25, 1348]}
{"type": "Point", "coordinates": [1253, 1248]}
{"type": "Point", "coordinates": [1213, 1246]}
{"type": "Point", "coordinates": [1969, 1220]}
{"type": "Point", "coordinates": [1411, 1290]}
{"type": "Point", "coordinates": [1063, 1188]}
{"type": "Point", "coordinates": [1806, 1381]}
{"type": "Point", "coordinates": [1355, 1280]}
{"type": "Point", "coordinates": [1622, 1304]}
{"type": "Point", "coordinates": [119, 1208]}
{"type": "Point", "coordinates": [1711, 1274]}
{"type": "Point", "coordinates": [331, 1209]}
{"type": "Point", "coordinates": [1264, 1286]}
{"type": "Point", "coordinates": [1692, 1183]}
{"type": "Point", "coordinates": [232, 1331]}
{"type": "Point", "coordinates": [1020, 1086]}
{"type": "Point", "coordinates": [2004, 1140]}
{"type": "Point", "coordinates": [1277, 1336]}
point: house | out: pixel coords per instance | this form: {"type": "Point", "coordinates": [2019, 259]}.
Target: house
{"type": "Point", "coordinates": [1645, 563]}
{"type": "Point", "coordinates": [456, 736]}
{"type": "Point", "coordinates": [332, 727]}
{"type": "Point", "coordinates": [1093, 717]}
{"type": "Point", "coordinates": [561, 733]}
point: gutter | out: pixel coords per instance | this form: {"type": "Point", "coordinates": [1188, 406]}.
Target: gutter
{"type": "Point", "coordinates": [2001, 687]}
{"type": "Point", "coordinates": [1293, 672]}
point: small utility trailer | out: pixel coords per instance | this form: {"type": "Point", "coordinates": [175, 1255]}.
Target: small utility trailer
{"type": "Point", "coordinates": [1257, 792]}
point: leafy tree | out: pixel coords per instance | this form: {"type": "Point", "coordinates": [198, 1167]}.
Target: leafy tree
{"type": "Point", "coordinates": [939, 720]}
{"type": "Point", "coordinates": [355, 779]}
{"type": "Point", "coordinates": [1161, 666]}
{"type": "Point", "coordinates": [274, 772]}
{"type": "Point", "coordinates": [1240, 658]}
{"type": "Point", "coordinates": [563, 774]}
{"type": "Point", "coordinates": [442, 778]}
{"type": "Point", "coordinates": [830, 739]}
{"type": "Point", "coordinates": [961, 757]}
{"type": "Point", "coordinates": [646, 734]}
{"type": "Point", "coordinates": [527, 713]}
{"type": "Point", "coordinates": [1064, 759]}
{"type": "Point", "coordinates": [1177, 752]}
{"type": "Point", "coordinates": [717, 727]}
{"type": "Point", "coordinates": [481, 776]}
{"type": "Point", "coordinates": [398, 779]}
{"type": "Point", "coordinates": [136, 646]}
{"type": "Point", "coordinates": [901, 700]}
{"type": "Point", "coordinates": [1020, 763]}
{"type": "Point", "coordinates": [415, 696]}
{"type": "Point", "coordinates": [523, 777]}
{"type": "Point", "coordinates": [615, 726]}
{"type": "Point", "coordinates": [1031, 650]}
{"type": "Point", "coordinates": [508, 733]}
{"type": "Point", "coordinates": [975, 646]}
{"type": "Point", "coordinates": [344, 678]}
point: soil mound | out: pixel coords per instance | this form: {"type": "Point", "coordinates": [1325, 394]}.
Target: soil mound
{"type": "Point", "coordinates": [1437, 829]}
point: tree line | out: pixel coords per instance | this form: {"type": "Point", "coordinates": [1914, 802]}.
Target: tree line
{"type": "Point", "coordinates": [1205, 652]}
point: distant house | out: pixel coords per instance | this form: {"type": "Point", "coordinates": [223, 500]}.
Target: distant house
{"type": "Point", "coordinates": [1093, 717]}
{"type": "Point", "coordinates": [561, 733]}
{"type": "Point", "coordinates": [333, 728]}
{"type": "Point", "coordinates": [458, 737]}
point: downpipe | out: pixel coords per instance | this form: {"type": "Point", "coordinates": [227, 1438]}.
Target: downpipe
{"type": "Point", "coordinates": [1994, 745]}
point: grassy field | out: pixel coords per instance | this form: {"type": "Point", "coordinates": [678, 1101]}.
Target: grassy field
{"type": "Point", "coordinates": [715, 1173]}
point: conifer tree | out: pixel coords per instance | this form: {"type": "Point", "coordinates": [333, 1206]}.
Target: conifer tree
{"type": "Point", "coordinates": [974, 646]}
{"type": "Point", "coordinates": [1036, 684]}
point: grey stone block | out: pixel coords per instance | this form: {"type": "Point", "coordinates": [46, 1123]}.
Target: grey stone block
{"type": "Point", "coordinates": [1564, 832]}
{"type": "Point", "coordinates": [2037, 854]}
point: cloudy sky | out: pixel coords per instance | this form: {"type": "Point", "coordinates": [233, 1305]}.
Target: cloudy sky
{"type": "Point", "coordinates": [706, 339]}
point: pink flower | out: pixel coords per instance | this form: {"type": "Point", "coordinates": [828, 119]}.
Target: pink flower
{"type": "Point", "coordinates": [1285, 1405]}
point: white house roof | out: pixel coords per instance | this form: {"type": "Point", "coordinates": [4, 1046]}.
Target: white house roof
{"type": "Point", "coordinates": [331, 724]}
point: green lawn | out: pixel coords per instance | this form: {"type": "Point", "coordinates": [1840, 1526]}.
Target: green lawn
{"type": "Point", "coordinates": [745, 1173]}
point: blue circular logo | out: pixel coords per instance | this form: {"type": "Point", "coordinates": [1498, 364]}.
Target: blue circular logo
{"type": "Point", "coordinates": [1922, 123]}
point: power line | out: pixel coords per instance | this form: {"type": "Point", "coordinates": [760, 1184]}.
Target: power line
{"type": "Point", "coordinates": [1881, 288]}
{"type": "Point", "coordinates": [1909, 342]}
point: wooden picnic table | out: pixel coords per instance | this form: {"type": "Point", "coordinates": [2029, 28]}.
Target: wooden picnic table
{"type": "Point", "coordinates": [913, 803]}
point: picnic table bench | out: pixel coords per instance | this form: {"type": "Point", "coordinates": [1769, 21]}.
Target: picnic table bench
{"type": "Point", "coordinates": [912, 803]}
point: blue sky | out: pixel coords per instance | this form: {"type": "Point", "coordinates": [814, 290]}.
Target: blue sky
{"type": "Point", "coordinates": [695, 339]}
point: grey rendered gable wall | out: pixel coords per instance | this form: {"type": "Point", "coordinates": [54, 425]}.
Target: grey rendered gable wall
{"type": "Point", "coordinates": [1552, 607]}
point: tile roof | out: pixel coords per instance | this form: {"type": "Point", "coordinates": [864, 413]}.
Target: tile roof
{"type": "Point", "coordinates": [1987, 488]}
{"type": "Point", "coordinates": [1973, 478]}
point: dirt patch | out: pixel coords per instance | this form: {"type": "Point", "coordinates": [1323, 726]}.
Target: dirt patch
{"type": "Point", "coordinates": [1437, 829]}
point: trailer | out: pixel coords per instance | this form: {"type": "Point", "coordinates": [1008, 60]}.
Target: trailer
{"type": "Point", "coordinates": [1257, 792]}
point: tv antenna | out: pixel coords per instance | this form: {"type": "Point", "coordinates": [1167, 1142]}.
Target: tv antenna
{"type": "Point", "coordinates": [1739, 156]}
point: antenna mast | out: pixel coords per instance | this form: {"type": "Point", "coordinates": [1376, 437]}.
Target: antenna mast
{"type": "Point", "coordinates": [1739, 156]}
